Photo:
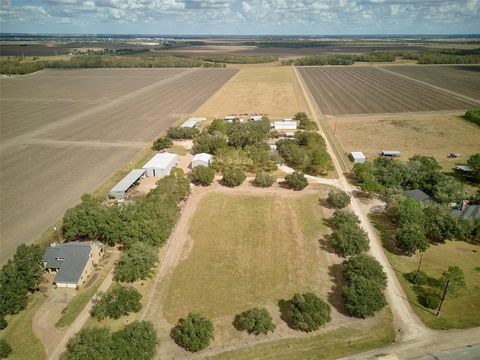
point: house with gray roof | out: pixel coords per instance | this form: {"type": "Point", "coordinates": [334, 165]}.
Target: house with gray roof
{"type": "Point", "coordinates": [72, 262]}
{"type": "Point", "coordinates": [418, 195]}
{"type": "Point", "coordinates": [467, 211]}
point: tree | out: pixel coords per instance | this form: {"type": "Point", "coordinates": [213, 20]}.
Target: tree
{"type": "Point", "coordinates": [474, 163]}
{"type": "Point", "coordinates": [338, 199]}
{"type": "Point", "coordinates": [256, 321]}
{"type": "Point", "coordinates": [193, 333]}
{"type": "Point", "coordinates": [349, 240]}
{"type": "Point", "coordinates": [136, 263]}
{"type": "Point", "coordinates": [136, 341]}
{"type": "Point", "coordinates": [182, 133]}
{"type": "Point", "coordinates": [218, 126]}
{"type": "Point", "coordinates": [208, 143]}
{"type": "Point", "coordinates": [429, 298]}
{"type": "Point", "coordinates": [3, 322]}
{"type": "Point", "coordinates": [363, 296]}
{"type": "Point", "coordinates": [411, 238]}
{"type": "Point", "coordinates": [162, 143]}
{"type": "Point", "coordinates": [307, 312]}
{"type": "Point", "coordinates": [203, 175]}
{"type": "Point", "coordinates": [264, 179]}
{"type": "Point", "coordinates": [304, 122]}
{"type": "Point", "coordinates": [118, 301]}
{"type": "Point", "coordinates": [28, 260]}
{"type": "Point", "coordinates": [365, 266]}
{"type": "Point", "coordinates": [5, 349]}
{"type": "Point", "coordinates": [296, 181]}
{"type": "Point", "coordinates": [455, 277]}
{"type": "Point", "coordinates": [417, 277]}
{"type": "Point", "coordinates": [233, 177]}
{"type": "Point", "coordinates": [89, 344]}
{"type": "Point", "coordinates": [447, 189]}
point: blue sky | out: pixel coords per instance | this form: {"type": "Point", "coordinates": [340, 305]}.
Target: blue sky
{"type": "Point", "coordinates": [282, 17]}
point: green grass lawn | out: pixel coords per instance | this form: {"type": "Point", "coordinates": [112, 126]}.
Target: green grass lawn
{"type": "Point", "coordinates": [331, 345]}
{"type": "Point", "coordinates": [248, 250]}
{"type": "Point", "coordinates": [19, 333]}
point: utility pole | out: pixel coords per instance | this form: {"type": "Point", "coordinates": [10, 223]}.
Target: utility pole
{"type": "Point", "coordinates": [443, 297]}
{"type": "Point", "coordinates": [418, 269]}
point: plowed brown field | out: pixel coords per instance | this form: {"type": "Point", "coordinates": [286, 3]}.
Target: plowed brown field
{"type": "Point", "coordinates": [368, 90]}
{"type": "Point", "coordinates": [64, 132]}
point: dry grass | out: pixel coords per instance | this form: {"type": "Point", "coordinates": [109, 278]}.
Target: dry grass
{"type": "Point", "coordinates": [426, 134]}
{"type": "Point", "coordinates": [265, 90]}
{"type": "Point", "coordinates": [247, 251]}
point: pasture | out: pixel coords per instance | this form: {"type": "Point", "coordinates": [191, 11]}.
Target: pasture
{"type": "Point", "coordinates": [265, 90]}
{"type": "Point", "coordinates": [370, 90]}
{"type": "Point", "coordinates": [65, 132]}
{"type": "Point", "coordinates": [248, 251]}
{"type": "Point", "coordinates": [424, 134]}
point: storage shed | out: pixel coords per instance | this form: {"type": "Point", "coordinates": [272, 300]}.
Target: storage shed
{"type": "Point", "coordinates": [192, 122]}
{"type": "Point", "coordinates": [285, 125]}
{"type": "Point", "coordinates": [358, 157]}
{"type": "Point", "coordinates": [418, 195]}
{"type": "Point", "coordinates": [464, 168]}
{"type": "Point", "coordinates": [119, 190]}
{"type": "Point", "coordinates": [390, 153]}
{"type": "Point", "coordinates": [202, 159]}
{"type": "Point", "coordinates": [161, 164]}
{"type": "Point", "coordinates": [256, 117]}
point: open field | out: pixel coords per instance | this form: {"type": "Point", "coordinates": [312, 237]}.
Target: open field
{"type": "Point", "coordinates": [248, 251]}
{"type": "Point", "coordinates": [425, 134]}
{"type": "Point", "coordinates": [369, 90]}
{"type": "Point", "coordinates": [265, 90]}
{"type": "Point", "coordinates": [464, 80]}
{"type": "Point", "coordinates": [49, 161]}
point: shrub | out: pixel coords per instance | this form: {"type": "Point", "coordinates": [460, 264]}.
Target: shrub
{"type": "Point", "coordinates": [264, 179]}
{"type": "Point", "coordinates": [218, 126]}
{"type": "Point", "coordinates": [473, 116]}
{"type": "Point", "coordinates": [417, 277]}
{"type": "Point", "coordinates": [430, 298]}
{"type": "Point", "coordinates": [296, 181]}
{"type": "Point", "coordinates": [162, 143]}
{"type": "Point", "coordinates": [5, 349]}
{"type": "Point", "coordinates": [118, 301]}
{"type": "Point", "coordinates": [233, 177]}
{"type": "Point", "coordinates": [3, 322]}
{"type": "Point", "coordinates": [256, 321]}
{"type": "Point", "coordinates": [338, 199]}
{"type": "Point", "coordinates": [455, 277]}
{"type": "Point", "coordinates": [182, 133]}
{"type": "Point", "coordinates": [136, 341]}
{"type": "Point", "coordinates": [136, 263]}
{"type": "Point", "coordinates": [193, 333]}
{"type": "Point", "coordinates": [307, 312]}
{"type": "Point", "coordinates": [304, 122]}
{"type": "Point", "coordinates": [203, 175]}
{"type": "Point", "coordinates": [363, 297]}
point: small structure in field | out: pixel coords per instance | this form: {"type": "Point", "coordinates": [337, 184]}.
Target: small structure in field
{"type": "Point", "coordinates": [285, 125]}
{"type": "Point", "coordinates": [192, 122]}
{"type": "Point", "coordinates": [358, 157]}
{"type": "Point", "coordinates": [390, 153]}
{"type": "Point", "coordinates": [202, 159]}
{"type": "Point", "coordinates": [418, 195]}
{"type": "Point", "coordinates": [232, 118]}
{"type": "Point", "coordinates": [72, 262]}
{"type": "Point", "coordinates": [454, 156]}
{"type": "Point", "coordinates": [272, 147]}
{"type": "Point", "coordinates": [119, 191]}
{"type": "Point", "coordinates": [467, 211]}
{"type": "Point", "coordinates": [256, 117]}
{"type": "Point", "coordinates": [161, 164]}
{"type": "Point", "coordinates": [464, 168]}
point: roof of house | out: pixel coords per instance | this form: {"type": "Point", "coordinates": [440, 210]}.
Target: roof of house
{"type": "Point", "coordinates": [464, 168]}
{"type": "Point", "coordinates": [191, 122]}
{"type": "Point", "coordinates": [469, 211]}
{"type": "Point", "coordinates": [130, 179]}
{"type": "Point", "coordinates": [390, 153]}
{"type": "Point", "coordinates": [418, 194]}
{"type": "Point", "coordinates": [285, 124]}
{"type": "Point", "coordinates": [69, 258]}
{"type": "Point", "coordinates": [358, 155]}
{"type": "Point", "coordinates": [202, 157]}
{"type": "Point", "coordinates": [160, 161]}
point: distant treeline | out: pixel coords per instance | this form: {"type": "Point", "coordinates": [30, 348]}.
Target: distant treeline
{"type": "Point", "coordinates": [444, 56]}
{"type": "Point", "coordinates": [288, 44]}
{"type": "Point", "coordinates": [231, 59]}
{"type": "Point", "coordinates": [342, 59]}
{"type": "Point", "coordinates": [18, 66]}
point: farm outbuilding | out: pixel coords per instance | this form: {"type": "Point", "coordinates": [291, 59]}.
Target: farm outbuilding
{"type": "Point", "coordinates": [192, 122]}
{"type": "Point", "coordinates": [256, 117]}
{"type": "Point", "coordinates": [285, 125]}
{"type": "Point", "coordinates": [72, 262]}
{"type": "Point", "coordinates": [418, 195]}
{"type": "Point", "coordinates": [390, 153]}
{"type": "Point", "coordinates": [464, 168]}
{"type": "Point", "coordinates": [358, 157]}
{"type": "Point", "coordinates": [161, 164]}
{"type": "Point", "coordinates": [202, 159]}
{"type": "Point", "coordinates": [467, 211]}
{"type": "Point", "coordinates": [119, 190]}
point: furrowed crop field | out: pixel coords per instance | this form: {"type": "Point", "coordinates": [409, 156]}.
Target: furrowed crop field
{"type": "Point", "coordinates": [64, 132]}
{"type": "Point", "coordinates": [370, 90]}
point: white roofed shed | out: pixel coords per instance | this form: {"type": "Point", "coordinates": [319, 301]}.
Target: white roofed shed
{"type": "Point", "coordinates": [285, 125]}
{"type": "Point", "coordinates": [119, 190]}
{"type": "Point", "coordinates": [161, 164]}
{"type": "Point", "coordinates": [202, 159]}
{"type": "Point", "coordinates": [358, 157]}
{"type": "Point", "coordinates": [192, 122]}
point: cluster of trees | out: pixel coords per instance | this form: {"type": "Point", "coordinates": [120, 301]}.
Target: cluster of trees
{"type": "Point", "coordinates": [473, 116]}
{"type": "Point", "coordinates": [136, 263]}
{"type": "Point", "coordinates": [162, 143]}
{"type": "Point", "coordinates": [237, 59]}
{"type": "Point", "coordinates": [345, 59]}
{"type": "Point", "coordinates": [386, 176]}
{"type": "Point", "coordinates": [304, 122]}
{"type": "Point", "coordinates": [306, 152]}
{"type": "Point", "coordinates": [19, 277]}
{"type": "Point", "coordinates": [5, 349]}
{"type": "Point", "coordinates": [474, 163]}
{"type": "Point", "coordinates": [178, 132]}
{"type": "Point", "coordinates": [120, 300]}
{"type": "Point", "coordinates": [136, 341]}
{"type": "Point", "coordinates": [348, 238]}
{"type": "Point", "coordinates": [365, 282]}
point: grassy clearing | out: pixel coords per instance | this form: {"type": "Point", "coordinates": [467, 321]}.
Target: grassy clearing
{"type": "Point", "coordinates": [178, 149]}
{"type": "Point", "coordinates": [248, 250]}
{"type": "Point", "coordinates": [266, 90]}
{"type": "Point", "coordinates": [331, 345]}
{"type": "Point", "coordinates": [20, 336]}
